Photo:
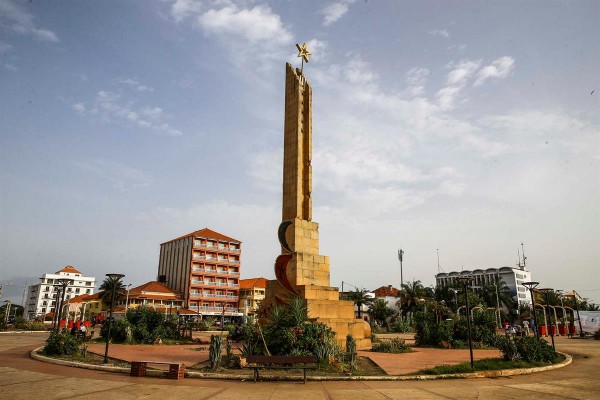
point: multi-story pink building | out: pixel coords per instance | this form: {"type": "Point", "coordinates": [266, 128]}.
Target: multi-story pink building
{"type": "Point", "coordinates": [205, 267]}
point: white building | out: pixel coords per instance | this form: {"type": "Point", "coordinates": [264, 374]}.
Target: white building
{"type": "Point", "coordinates": [42, 297]}
{"type": "Point", "coordinates": [513, 277]}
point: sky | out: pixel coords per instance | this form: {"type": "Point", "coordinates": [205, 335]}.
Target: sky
{"type": "Point", "coordinates": [469, 127]}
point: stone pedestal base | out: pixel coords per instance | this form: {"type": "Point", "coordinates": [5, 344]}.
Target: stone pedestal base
{"type": "Point", "coordinates": [324, 306]}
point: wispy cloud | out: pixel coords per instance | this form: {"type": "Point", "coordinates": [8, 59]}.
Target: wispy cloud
{"type": "Point", "coordinates": [11, 67]}
{"type": "Point", "coordinates": [498, 69]}
{"type": "Point", "coordinates": [335, 11]}
{"type": "Point", "coordinates": [136, 85]}
{"type": "Point", "coordinates": [181, 9]}
{"type": "Point", "coordinates": [456, 81]}
{"type": "Point", "coordinates": [439, 32]}
{"type": "Point", "coordinates": [121, 177]}
{"type": "Point", "coordinates": [111, 108]}
{"type": "Point", "coordinates": [415, 79]}
{"type": "Point", "coordinates": [18, 20]}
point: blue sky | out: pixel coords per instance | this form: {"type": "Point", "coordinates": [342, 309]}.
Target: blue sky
{"type": "Point", "coordinates": [467, 127]}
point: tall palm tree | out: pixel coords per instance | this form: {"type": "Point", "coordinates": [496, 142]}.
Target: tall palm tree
{"type": "Point", "coordinates": [380, 311]}
{"type": "Point", "coordinates": [505, 294]}
{"type": "Point", "coordinates": [107, 288]}
{"type": "Point", "coordinates": [360, 298]}
{"type": "Point", "coordinates": [410, 293]}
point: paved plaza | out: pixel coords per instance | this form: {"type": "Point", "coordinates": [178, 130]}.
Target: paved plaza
{"type": "Point", "coordinates": [24, 378]}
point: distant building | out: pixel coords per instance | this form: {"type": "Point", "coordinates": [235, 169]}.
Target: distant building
{"type": "Point", "coordinates": [512, 277]}
{"type": "Point", "coordinates": [252, 292]}
{"type": "Point", "coordinates": [42, 297]}
{"type": "Point", "coordinates": [88, 305]}
{"type": "Point", "coordinates": [205, 267]}
{"type": "Point", "coordinates": [151, 294]}
{"type": "Point", "coordinates": [389, 294]}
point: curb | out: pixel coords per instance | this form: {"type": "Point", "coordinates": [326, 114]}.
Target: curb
{"type": "Point", "coordinates": [201, 375]}
{"type": "Point", "coordinates": [18, 332]}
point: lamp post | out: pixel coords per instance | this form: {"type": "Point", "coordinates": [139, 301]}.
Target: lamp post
{"type": "Point", "coordinates": [455, 291]}
{"type": "Point", "coordinates": [63, 282]}
{"type": "Point", "coordinates": [546, 292]}
{"type": "Point", "coordinates": [531, 286]}
{"type": "Point", "coordinates": [465, 280]}
{"type": "Point", "coordinates": [223, 317]}
{"type": "Point", "coordinates": [6, 311]}
{"type": "Point", "coordinates": [581, 334]}
{"type": "Point", "coordinates": [115, 279]}
{"type": "Point", "coordinates": [497, 302]}
{"type": "Point", "coordinates": [127, 299]}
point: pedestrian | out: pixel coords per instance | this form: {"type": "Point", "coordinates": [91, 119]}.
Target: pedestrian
{"type": "Point", "coordinates": [82, 331]}
{"type": "Point", "coordinates": [74, 330]}
{"type": "Point", "coordinates": [533, 327]}
{"type": "Point", "coordinates": [526, 327]}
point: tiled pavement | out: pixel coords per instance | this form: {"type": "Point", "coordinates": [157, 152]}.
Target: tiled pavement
{"type": "Point", "coordinates": [24, 378]}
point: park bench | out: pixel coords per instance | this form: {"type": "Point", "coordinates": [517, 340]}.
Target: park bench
{"type": "Point", "coordinates": [176, 369]}
{"type": "Point", "coordinates": [281, 362]}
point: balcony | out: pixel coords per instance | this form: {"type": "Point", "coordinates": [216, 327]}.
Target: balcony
{"type": "Point", "coordinates": [199, 257]}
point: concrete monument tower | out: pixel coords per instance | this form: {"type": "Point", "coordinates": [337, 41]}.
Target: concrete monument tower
{"type": "Point", "coordinates": [300, 269]}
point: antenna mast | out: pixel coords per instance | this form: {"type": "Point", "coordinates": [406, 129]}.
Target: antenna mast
{"type": "Point", "coordinates": [524, 258]}
{"type": "Point", "coordinates": [438, 258]}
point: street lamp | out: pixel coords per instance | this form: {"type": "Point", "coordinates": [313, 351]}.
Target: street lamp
{"type": "Point", "coordinates": [465, 280]}
{"type": "Point", "coordinates": [531, 286]}
{"type": "Point", "coordinates": [546, 292]}
{"type": "Point", "coordinates": [581, 334]}
{"type": "Point", "coordinates": [63, 282]}
{"type": "Point", "coordinates": [115, 278]}
{"type": "Point", "coordinates": [127, 299]}
{"type": "Point", "coordinates": [223, 317]}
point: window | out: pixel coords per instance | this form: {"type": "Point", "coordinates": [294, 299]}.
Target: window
{"type": "Point", "coordinates": [88, 291]}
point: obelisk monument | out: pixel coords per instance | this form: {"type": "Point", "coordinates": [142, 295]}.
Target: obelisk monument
{"type": "Point", "coordinates": [300, 269]}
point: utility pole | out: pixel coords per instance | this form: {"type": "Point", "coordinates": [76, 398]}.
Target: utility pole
{"type": "Point", "coordinates": [438, 257]}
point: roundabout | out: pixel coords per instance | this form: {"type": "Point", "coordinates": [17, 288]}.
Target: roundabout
{"type": "Point", "coordinates": [24, 378]}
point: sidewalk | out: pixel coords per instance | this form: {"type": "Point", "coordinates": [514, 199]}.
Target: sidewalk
{"type": "Point", "coordinates": [392, 364]}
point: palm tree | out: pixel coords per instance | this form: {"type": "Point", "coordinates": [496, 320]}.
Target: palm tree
{"type": "Point", "coordinates": [505, 294]}
{"type": "Point", "coordinates": [360, 298]}
{"type": "Point", "coordinates": [411, 291]}
{"type": "Point", "coordinates": [107, 289]}
{"type": "Point", "coordinates": [380, 311]}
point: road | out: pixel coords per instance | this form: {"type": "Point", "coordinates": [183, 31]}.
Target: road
{"type": "Point", "coordinates": [24, 378]}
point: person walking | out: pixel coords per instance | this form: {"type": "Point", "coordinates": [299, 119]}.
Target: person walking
{"type": "Point", "coordinates": [526, 327]}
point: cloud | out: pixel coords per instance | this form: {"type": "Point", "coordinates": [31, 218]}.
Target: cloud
{"type": "Point", "coordinates": [122, 177]}
{"type": "Point", "coordinates": [79, 108]}
{"type": "Point", "coordinates": [498, 69]}
{"type": "Point", "coordinates": [335, 11]}
{"type": "Point", "coordinates": [181, 9]}
{"type": "Point", "coordinates": [19, 21]}
{"type": "Point", "coordinates": [11, 67]}
{"type": "Point", "coordinates": [109, 106]}
{"type": "Point", "coordinates": [439, 32]}
{"type": "Point", "coordinates": [456, 80]}
{"type": "Point", "coordinates": [136, 85]}
{"type": "Point", "coordinates": [416, 78]}
{"type": "Point", "coordinates": [254, 25]}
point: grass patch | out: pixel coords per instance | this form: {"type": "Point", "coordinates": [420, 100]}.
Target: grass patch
{"type": "Point", "coordinates": [487, 364]}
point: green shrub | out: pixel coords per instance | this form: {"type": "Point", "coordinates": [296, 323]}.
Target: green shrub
{"type": "Point", "coordinates": [528, 348]}
{"type": "Point", "coordinates": [30, 325]}
{"type": "Point", "coordinates": [62, 343]}
{"type": "Point", "coordinates": [120, 331]}
{"type": "Point", "coordinates": [394, 345]}
{"type": "Point", "coordinates": [400, 326]}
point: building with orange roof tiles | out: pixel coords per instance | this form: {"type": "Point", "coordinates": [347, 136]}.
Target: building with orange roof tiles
{"type": "Point", "coordinates": [151, 294]}
{"type": "Point", "coordinates": [252, 292]}
{"type": "Point", "coordinates": [205, 267]}
{"type": "Point", "coordinates": [42, 298]}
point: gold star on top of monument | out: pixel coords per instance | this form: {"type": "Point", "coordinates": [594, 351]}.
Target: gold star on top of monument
{"type": "Point", "coordinates": [303, 51]}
